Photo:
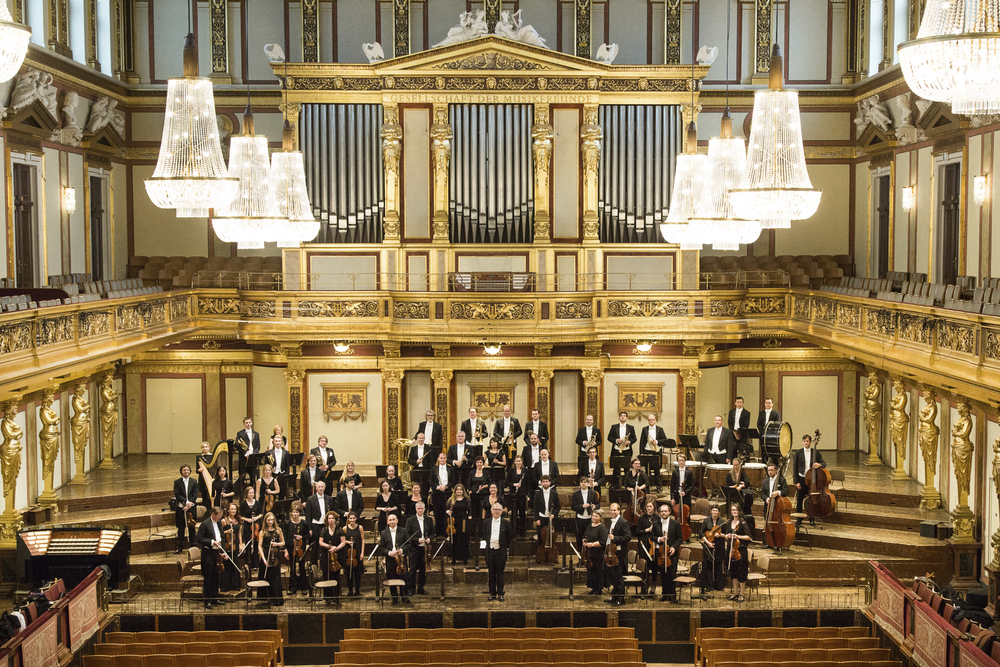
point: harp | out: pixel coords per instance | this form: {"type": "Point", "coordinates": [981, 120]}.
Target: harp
{"type": "Point", "coordinates": [208, 466]}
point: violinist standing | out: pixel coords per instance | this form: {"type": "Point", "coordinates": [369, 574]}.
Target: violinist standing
{"type": "Point", "coordinates": [736, 529]}
{"type": "Point", "coordinates": [644, 531]}
{"type": "Point", "coordinates": [355, 536]}
{"type": "Point", "coordinates": [185, 497]}
{"type": "Point", "coordinates": [594, 539]}
{"type": "Point", "coordinates": [712, 555]}
{"type": "Point", "coordinates": [619, 535]}
{"type": "Point", "coordinates": [389, 543]}
{"type": "Point", "coordinates": [297, 536]}
{"type": "Point", "coordinates": [232, 540]}
{"type": "Point", "coordinates": [421, 527]}
{"type": "Point", "coordinates": [458, 513]}
{"type": "Point", "coordinates": [210, 541]}
{"type": "Point", "coordinates": [806, 459]}
{"type": "Point", "coordinates": [331, 541]}
{"type": "Point", "coordinates": [667, 535]}
{"type": "Point", "coordinates": [584, 503]}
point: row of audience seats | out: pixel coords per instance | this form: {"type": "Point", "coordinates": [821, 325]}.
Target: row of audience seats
{"type": "Point", "coordinates": [242, 659]}
{"type": "Point", "coordinates": [947, 611]}
{"type": "Point", "coordinates": [716, 651]}
{"type": "Point", "coordinates": [179, 272]}
{"type": "Point", "coordinates": [984, 299]}
{"type": "Point", "coordinates": [802, 270]}
{"type": "Point", "coordinates": [704, 634]}
{"type": "Point", "coordinates": [269, 642]}
{"type": "Point", "coordinates": [535, 634]}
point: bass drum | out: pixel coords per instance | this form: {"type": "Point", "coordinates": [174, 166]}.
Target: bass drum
{"type": "Point", "coordinates": [776, 441]}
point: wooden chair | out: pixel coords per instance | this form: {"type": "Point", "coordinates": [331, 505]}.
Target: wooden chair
{"type": "Point", "coordinates": [188, 581]}
{"type": "Point", "coordinates": [237, 635]}
{"type": "Point", "coordinates": [129, 660]}
{"type": "Point", "coordinates": [471, 656]}
{"type": "Point", "coordinates": [861, 642]}
{"type": "Point", "coordinates": [141, 648]}
{"type": "Point", "coordinates": [159, 661]}
{"type": "Point", "coordinates": [825, 632]}
{"type": "Point", "coordinates": [469, 633]}
{"type": "Point", "coordinates": [763, 564]}
{"type": "Point", "coordinates": [252, 660]}
{"type": "Point", "coordinates": [109, 649]}
{"type": "Point", "coordinates": [199, 648]}
{"type": "Point", "coordinates": [350, 658]}
{"type": "Point", "coordinates": [688, 580]}
{"type": "Point", "coordinates": [149, 637]}
{"type": "Point", "coordinates": [354, 644]}
{"type": "Point", "coordinates": [252, 585]}
{"type": "Point", "coordinates": [158, 531]}
{"type": "Point", "coordinates": [222, 660]}
{"type": "Point", "coordinates": [98, 661]}
{"type": "Point", "coordinates": [261, 646]}
{"type": "Point", "coordinates": [209, 635]}
{"type": "Point", "coordinates": [170, 648]}
{"type": "Point", "coordinates": [181, 636]}
{"type": "Point", "coordinates": [834, 642]}
{"type": "Point", "coordinates": [768, 633]}
{"type": "Point", "coordinates": [754, 655]}
{"type": "Point", "coordinates": [854, 631]}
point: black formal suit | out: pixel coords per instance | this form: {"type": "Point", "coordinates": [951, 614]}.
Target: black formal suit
{"type": "Point", "coordinates": [530, 460]}
{"type": "Point", "coordinates": [620, 533]}
{"type": "Point", "coordinates": [712, 562]}
{"type": "Point", "coordinates": [765, 488]}
{"type": "Point", "coordinates": [306, 482]}
{"type": "Point", "coordinates": [515, 430]}
{"type": "Point", "coordinates": [536, 473]}
{"type": "Point", "coordinates": [278, 458]}
{"type": "Point", "coordinates": [576, 502]}
{"type": "Point", "coordinates": [799, 471]}
{"type": "Point", "coordinates": [615, 434]}
{"type": "Point", "coordinates": [673, 541]}
{"type": "Point", "coordinates": [357, 504]}
{"type": "Point", "coordinates": [763, 419]}
{"type": "Point", "coordinates": [744, 420]}
{"type": "Point", "coordinates": [209, 556]}
{"type": "Point", "coordinates": [429, 458]}
{"type": "Point", "coordinates": [496, 559]}
{"type": "Point", "coordinates": [246, 443]}
{"type": "Point", "coordinates": [314, 513]}
{"type": "Point", "coordinates": [385, 545]}
{"type": "Point", "coordinates": [417, 572]}
{"type": "Point", "coordinates": [185, 492]}
{"type": "Point", "coordinates": [676, 486]}
{"type": "Point", "coordinates": [727, 445]}
{"type": "Point", "coordinates": [652, 459]}
{"type": "Point", "coordinates": [439, 498]}
{"type": "Point", "coordinates": [480, 427]}
{"type": "Point", "coordinates": [453, 459]}
{"type": "Point", "coordinates": [538, 504]}
{"type": "Point", "coordinates": [584, 471]}
{"type": "Point", "coordinates": [583, 442]}
{"type": "Point", "coordinates": [437, 440]}
{"type": "Point", "coordinates": [324, 456]}
{"type": "Point", "coordinates": [658, 434]}
{"type": "Point", "coordinates": [542, 433]}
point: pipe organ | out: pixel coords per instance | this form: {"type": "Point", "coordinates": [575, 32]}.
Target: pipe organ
{"type": "Point", "coordinates": [636, 170]}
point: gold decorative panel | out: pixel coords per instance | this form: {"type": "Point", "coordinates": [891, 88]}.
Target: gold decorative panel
{"type": "Point", "coordinates": [338, 308]}
{"type": "Point", "coordinates": [676, 308]}
{"type": "Point", "coordinates": [345, 400]}
{"type": "Point", "coordinates": [493, 311]}
{"type": "Point", "coordinates": [640, 398]}
{"type": "Point", "coordinates": [488, 398]}
{"type": "Point", "coordinates": [572, 310]}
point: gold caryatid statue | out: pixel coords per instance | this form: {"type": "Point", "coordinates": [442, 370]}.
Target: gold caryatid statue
{"type": "Point", "coordinates": [962, 449]}
{"type": "Point", "coordinates": [80, 424]}
{"type": "Point", "coordinates": [996, 488]}
{"type": "Point", "coordinates": [873, 416]}
{"type": "Point", "coordinates": [48, 442]}
{"type": "Point", "coordinates": [928, 438]}
{"type": "Point", "coordinates": [10, 468]}
{"type": "Point", "coordinates": [899, 423]}
{"type": "Point", "coordinates": [109, 418]}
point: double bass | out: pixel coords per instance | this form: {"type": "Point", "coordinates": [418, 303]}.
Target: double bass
{"type": "Point", "coordinates": [547, 553]}
{"type": "Point", "coordinates": [779, 530]}
{"type": "Point", "coordinates": [820, 502]}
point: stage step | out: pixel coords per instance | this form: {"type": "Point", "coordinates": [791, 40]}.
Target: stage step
{"type": "Point", "coordinates": [155, 499]}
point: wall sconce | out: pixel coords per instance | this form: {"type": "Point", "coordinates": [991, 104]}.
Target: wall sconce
{"type": "Point", "coordinates": [492, 349]}
{"type": "Point", "coordinates": [69, 200]}
{"type": "Point", "coordinates": [980, 185]}
{"type": "Point", "coordinates": [341, 346]}
{"type": "Point", "coordinates": [644, 346]}
{"type": "Point", "coordinates": [908, 198]}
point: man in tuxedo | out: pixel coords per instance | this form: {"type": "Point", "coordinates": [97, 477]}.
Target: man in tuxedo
{"type": "Point", "coordinates": [349, 500]}
{"type": "Point", "coordinates": [621, 437]}
{"type": "Point", "coordinates": [539, 428]}
{"type": "Point", "coordinates": [592, 467]}
{"type": "Point", "coordinates": [620, 535]}
{"type": "Point", "coordinates": [309, 476]}
{"type": "Point", "coordinates": [768, 415]}
{"type": "Point", "coordinates": [390, 541]}
{"type": "Point", "coordinates": [460, 457]}
{"type": "Point", "coordinates": [421, 527]}
{"type": "Point", "coordinates": [804, 460]}
{"type": "Point", "coordinates": [497, 534]}
{"type": "Point", "coordinates": [185, 497]}
{"type": "Point", "coordinates": [278, 457]}
{"type": "Point", "coordinates": [210, 543]}
{"type": "Point", "coordinates": [440, 479]}
{"type": "Point", "coordinates": [432, 433]}
{"type": "Point", "coordinates": [651, 440]}
{"type": "Point", "coordinates": [247, 442]}
{"type": "Point", "coordinates": [317, 506]}
{"type": "Point", "coordinates": [586, 436]}
{"type": "Point", "coordinates": [681, 482]}
{"type": "Point", "coordinates": [773, 486]}
{"type": "Point", "coordinates": [546, 468]}
{"type": "Point", "coordinates": [720, 445]}
{"type": "Point", "coordinates": [667, 533]}
{"type": "Point", "coordinates": [475, 430]}
{"type": "Point", "coordinates": [507, 429]}
{"type": "Point", "coordinates": [530, 455]}
{"type": "Point", "coordinates": [324, 454]}
{"type": "Point", "coordinates": [584, 502]}
{"type": "Point", "coordinates": [546, 505]}
{"type": "Point", "coordinates": [739, 423]}
{"type": "Point", "coordinates": [421, 457]}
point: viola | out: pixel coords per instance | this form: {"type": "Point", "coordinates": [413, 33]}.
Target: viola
{"type": "Point", "coordinates": [451, 525]}
{"type": "Point", "coordinates": [585, 555]}
{"type": "Point", "coordinates": [611, 554]}
{"type": "Point", "coordinates": [820, 502]}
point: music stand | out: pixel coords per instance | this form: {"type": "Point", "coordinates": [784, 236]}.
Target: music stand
{"type": "Point", "coordinates": [689, 443]}
{"type": "Point", "coordinates": [752, 434]}
{"type": "Point", "coordinates": [282, 509]}
{"type": "Point", "coordinates": [619, 463]}
{"type": "Point", "coordinates": [254, 462]}
{"type": "Point", "coordinates": [294, 461]}
{"type": "Point", "coordinates": [332, 480]}
{"type": "Point", "coordinates": [380, 471]}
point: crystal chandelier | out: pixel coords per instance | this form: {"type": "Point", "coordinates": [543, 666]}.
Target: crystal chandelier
{"type": "Point", "coordinates": [252, 217]}
{"type": "Point", "coordinates": [190, 174]}
{"type": "Point", "coordinates": [690, 174]}
{"type": "Point", "coordinates": [14, 38]}
{"type": "Point", "coordinates": [775, 185]}
{"type": "Point", "coordinates": [288, 181]}
{"type": "Point", "coordinates": [956, 56]}
{"type": "Point", "coordinates": [726, 164]}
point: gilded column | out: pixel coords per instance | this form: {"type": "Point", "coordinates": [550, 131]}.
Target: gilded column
{"type": "Point", "coordinates": [963, 519]}
{"type": "Point", "coordinates": [80, 424]}
{"type": "Point", "coordinates": [219, 27]}
{"type": "Point", "coordinates": [928, 433]}
{"type": "Point", "coordinates": [291, 114]}
{"type": "Point", "coordinates": [762, 40]}
{"type": "Point", "coordinates": [17, 11]}
{"type": "Point", "coordinates": [492, 8]}
{"type": "Point", "coordinates": [401, 27]}
{"type": "Point", "coordinates": [48, 443]}
{"type": "Point", "coordinates": [995, 540]}
{"type": "Point", "coordinates": [295, 377]}
{"type": "Point", "coordinates": [543, 383]}
{"type": "Point", "coordinates": [690, 378]}
{"type": "Point", "coordinates": [91, 9]}
{"type": "Point", "coordinates": [56, 27]}
{"type": "Point", "coordinates": [582, 28]}
{"type": "Point", "coordinates": [899, 427]}
{"type": "Point", "coordinates": [856, 36]}
{"type": "Point", "coordinates": [442, 391]}
{"type": "Point", "coordinates": [109, 418]}
{"type": "Point", "coordinates": [393, 383]}
{"type": "Point", "coordinates": [392, 149]}
{"type": "Point", "coordinates": [441, 137]}
{"type": "Point", "coordinates": [541, 150]}
{"type": "Point", "coordinates": [10, 467]}
{"type": "Point", "coordinates": [672, 33]}
{"type": "Point", "coordinates": [873, 417]}
{"type": "Point", "coordinates": [124, 40]}
{"type": "Point", "coordinates": [591, 138]}
{"type": "Point", "coordinates": [310, 31]}
{"type": "Point", "coordinates": [886, 35]}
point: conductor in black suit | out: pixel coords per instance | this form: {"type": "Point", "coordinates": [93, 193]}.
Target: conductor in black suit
{"type": "Point", "coordinates": [651, 440]}
{"type": "Point", "coordinates": [210, 543]}
{"type": "Point", "coordinates": [185, 497]}
{"type": "Point", "coordinates": [247, 443]}
{"type": "Point", "coordinates": [804, 460]}
{"type": "Point", "coordinates": [739, 422]}
{"type": "Point", "coordinates": [497, 533]}
{"type": "Point", "coordinates": [586, 436]}
{"type": "Point", "coordinates": [432, 432]}
{"type": "Point", "coordinates": [720, 445]}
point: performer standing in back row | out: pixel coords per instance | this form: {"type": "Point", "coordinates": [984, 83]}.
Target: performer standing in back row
{"type": "Point", "coordinates": [765, 417]}
{"type": "Point", "coordinates": [621, 437]}
{"type": "Point", "coordinates": [806, 459]}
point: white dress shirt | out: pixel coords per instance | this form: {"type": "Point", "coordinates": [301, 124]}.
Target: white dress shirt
{"type": "Point", "coordinates": [545, 467]}
{"type": "Point", "coordinates": [808, 456]}
{"type": "Point", "coordinates": [592, 465]}
{"type": "Point", "coordinates": [442, 475]}
{"type": "Point", "coordinates": [249, 442]}
{"type": "Point", "coordinates": [716, 436]}
{"type": "Point", "coordinates": [322, 510]}
{"type": "Point", "coordinates": [736, 417]}
{"type": "Point", "coordinates": [506, 426]}
{"type": "Point", "coordinates": [495, 534]}
{"type": "Point", "coordinates": [586, 510]}
{"type": "Point", "coordinates": [611, 530]}
{"type": "Point", "coordinates": [429, 432]}
{"type": "Point", "coordinates": [545, 497]}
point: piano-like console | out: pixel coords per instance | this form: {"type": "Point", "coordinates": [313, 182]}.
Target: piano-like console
{"type": "Point", "coordinates": [72, 552]}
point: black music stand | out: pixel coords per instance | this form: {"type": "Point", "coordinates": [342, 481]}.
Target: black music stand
{"type": "Point", "coordinates": [332, 480]}
{"type": "Point", "coordinates": [253, 463]}
{"type": "Point", "coordinates": [746, 447]}
{"type": "Point", "coordinates": [689, 443]}
{"type": "Point", "coordinates": [294, 461]}
{"type": "Point", "coordinates": [282, 509]}
{"type": "Point", "coordinates": [418, 475]}
{"type": "Point", "coordinates": [620, 463]}
{"type": "Point", "coordinates": [380, 471]}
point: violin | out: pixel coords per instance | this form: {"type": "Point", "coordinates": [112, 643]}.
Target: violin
{"type": "Point", "coordinates": [820, 502]}
{"type": "Point", "coordinates": [299, 550]}
{"type": "Point", "coordinates": [401, 565]}
{"type": "Point", "coordinates": [585, 555]}
{"type": "Point", "coordinates": [333, 563]}
{"type": "Point", "coordinates": [451, 525]}
{"type": "Point", "coordinates": [734, 552]}
{"type": "Point", "coordinates": [190, 517]}
{"type": "Point", "coordinates": [352, 555]}
{"type": "Point", "coordinates": [611, 554]}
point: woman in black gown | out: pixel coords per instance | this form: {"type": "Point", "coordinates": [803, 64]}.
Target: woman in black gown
{"type": "Point", "coordinates": [222, 489]}
{"type": "Point", "coordinates": [517, 490]}
{"type": "Point", "coordinates": [250, 515]}
{"type": "Point", "coordinates": [594, 540]}
{"type": "Point", "coordinates": [496, 461]}
{"type": "Point", "coordinates": [331, 542]}
{"type": "Point", "coordinates": [385, 504]}
{"type": "Point", "coordinates": [354, 535]}
{"type": "Point", "coordinates": [269, 547]}
{"type": "Point", "coordinates": [458, 509]}
{"type": "Point", "coordinates": [736, 529]}
{"type": "Point", "coordinates": [411, 501]}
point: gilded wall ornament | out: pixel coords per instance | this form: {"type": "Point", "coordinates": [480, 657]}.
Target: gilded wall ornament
{"type": "Point", "coordinates": [411, 310]}
{"type": "Point", "coordinates": [995, 540]}
{"type": "Point", "coordinates": [54, 330]}
{"type": "Point", "coordinates": [10, 453]}
{"type": "Point", "coordinates": [94, 323]}
{"type": "Point", "coordinates": [574, 310]}
{"type": "Point", "coordinates": [720, 308]}
{"type": "Point", "coordinates": [493, 311]}
{"type": "Point", "coordinates": [873, 416]}
{"type": "Point", "coordinates": [390, 377]}
{"type": "Point", "coordinates": [48, 443]}
{"type": "Point", "coordinates": [441, 377]}
{"type": "Point", "coordinates": [592, 376]}
{"type": "Point", "coordinates": [80, 424]}
{"type": "Point", "coordinates": [345, 400]}
{"type": "Point", "coordinates": [677, 308]}
{"type": "Point", "coordinates": [928, 434]}
{"type": "Point", "coordinates": [338, 309]}
{"type": "Point", "coordinates": [899, 423]}
{"type": "Point", "coordinates": [109, 418]}
{"type": "Point", "coordinates": [962, 451]}
{"type": "Point", "coordinates": [294, 375]}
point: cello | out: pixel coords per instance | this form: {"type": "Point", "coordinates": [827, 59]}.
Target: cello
{"type": "Point", "coordinates": [820, 501]}
{"type": "Point", "coordinates": [779, 531]}
{"type": "Point", "coordinates": [684, 518]}
{"type": "Point", "coordinates": [547, 553]}
{"type": "Point", "coordinates": [631, 513]}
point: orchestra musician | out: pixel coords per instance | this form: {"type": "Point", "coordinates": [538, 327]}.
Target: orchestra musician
{"type": "Point", "coordinates": [479, 482]}
{"type": "Point", "coordinates": [584, 503]}
{"type": "Point", "coordinates": [636, 480]}
{"type": "Point", "coordinates": [682, 482]}
{"type": "Point", "coordinates": [737, 529]}
{"type": "Point", "coordinates": [325, 457]}
{"type": "Point", "coordinates": [805, 459]}
{"type": "Point", "coordinates": [539, 428]}
{"type": "Point", "coordinates": [621, 438]}
{"type": "Point", "coordinates": [222, 488]}
{"type": "Point", "coordinates": [185, 497]}
{"type": "Point", "coordinates": [546, 468]}
{"type": "Point", "coordinates": [530, 455]}
{"type": "Point", "coordinates": [269, 545]}
{"type": "Point", "coordinates": [644, 531]}
{"type": "Point", "coordinates": [492, 498]}
{"type": "Point", "coordinates": [474, 429]}
{"type": "Point", "coordinates": [422, 455]}
{"type": "Point", "coordinates": [738, 489]}
{"type": "Point", "coordinates": [441, 478]}
{"type": "Point", "coordinates": [651, 440]}
{"type": "Point", "coordinates": [517, 490]}
{"type": "Point", "coordinates": [594, 539]}
{"type": "Point", "coordinates": [496, 461]}
{"type": "Point", "coordinates": [765, 417]}
{"type": "Point", "coordinates": [349, 473]}
{"type": "Point", "coordinates": [546, 505]}
{"type": "Point", "coordinates": [739, 423]}
{"type": "Point", "coordinates": [389, 543]}
{"type": "Point", "coordinates": [247, 441]}
{"type": "Point", "coordinates": [250, 514]}
{"type": "Point", "coordinates": [278, 432]}
{"type": "Point", "coordinates": [458, 456]}
{"type": "Point", "coordinates": [667, 534]}
{"type": "Point", "coordinates": [395, 481]}
{"type": "Point", "coordinates": [433, 437]}
{"type": "Point", "coordinates": [349, 500]}
{"type": "Point", "coordinates": [278, 456]}
{"type": "Point", "coordinates": [587, 436]}
{"type": "Point", "coordinates": [593, 468]}
{"type": "Point", "coordinates": [210, 542]}
{"type": "Point", "coordinates": [267, 488]}
{"type": "Point", "coordinates": [386, 504]}
{"type": "Point", "coordinates": [713, 554]}
{"type": "Point", "coordinates": [507, 430]}
{"type": "Point", "coordinates": [774, 485]}
{"type": "Point", "coordinates": [410, 506]}
{"type": "Point", "coordinates": [354, 535]}
{"type": "Point", "coordinates": [297, 534]}
{"type": "Point", "coordinates": [620, 535]}
{"type": "Point", "coordinates": [497, 534]}
{"type": "Point", "coordinates": [232, 540]}
{"type": "Point", "coordinates": [331, 541]}
{"type": "Point", "coordinates": [203, 460]}
{"type": "Point", "coordinates": [421, 527]}
{"type": "Point", "coordinates": [309, 476]}
{"type": "Point", "coordinates": [317, 507]}
{"type": "Point", "coordinates": [459, 510]}
{"type": "Point", "coordinates": [720, 445]}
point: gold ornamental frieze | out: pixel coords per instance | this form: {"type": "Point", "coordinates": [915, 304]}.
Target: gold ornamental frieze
{"type": "Point", "coordinates": [992, 345]}
{"type": "Point", "coordinates": [880, 321]}
{"type": "Point", "coordinates": [723, 308]}
{"type": "Point", "coordinates": [489, 398]}
{"type": "Point", "coordinates": [52, 330]}
{"type": "Point", "coordinates": [574, 310]}
{"type": "Point", "coordinates": [345, 400]}
{"type": "Point", "coordinates": [411, 310]}
{"type": "Point", "coordinates": [801, 307]}
{"type": "Point", "coordinates": [140, 315]}
{"type": "Point", "coordinates": [493, 311]}
{"type": "Point", "coordinates": [764, 305]}
{"type": "Point", "coordinates": [234, 306]}
{"type": "Point", "coordinates": [825, 310]}
{"type": "Point", "coordinates": [914, 328]}
{"type": "Point", "coordinates": [676, 308]}
{"type": "Point", "coordinates": [492, 60]}
{"type": "Point", "coordinates": [640, 398]}
{"type": "Point", "coordinates": [94, 323]}
{"type": "Point", "coordinates": [179, 308]}
{"type": "Point", "coordinates": [955, 337]}
{"type": "Point", "coordinates": [849, 315]}
{"type": "Point", "coordinates": [15, 337]}
{"type": "Point", "coordinates": [338, 308]}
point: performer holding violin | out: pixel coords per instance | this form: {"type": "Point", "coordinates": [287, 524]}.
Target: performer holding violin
{"type": "Point", "coordinates": [647, 547]}
{"type": "Point", "coordinates": [420, 529]}
{"type": "Point", "coordinates": [269, 545]}
{"type": "Point", "coordinates": [459, 507]}
{"type": "Point", "coordinates": [354, 563]}
{"type": "Point", "coordinates": [681, 485]}
{"type": "Point", "coordinates": [667, 536]}
{"type": "Point", "coordinates": [331, 544]}
{"type": "Point", "coordinates": [251, 515]}
{"type": "Point", "coordinates": [390, 542]}
{"type": "Point", "coordinates": [386, 504]}
{"type": "Point", "coordinates": [546, 506]}
{"type": "Point", "coordinates": [232, 543]}
{"type": "Point", "coordinates": [737, 490]}
{"type": "Point", "coordinates": [210, 541]}
{"type": "Point", "coordinates": [268, 488]}
{"type": "Point", "coordinates": [594, 539]}
{"type": "Point", "coordinates": [712, 552]}
{"type": "Point", "coordinates": [806, 460]}
{"type": "Point", "coordinates": [616, 555]}
{"type": "Point", "coordinates": [185, 497]}
{"type": "Point", "coordinates": [517, 491]}
{"type": "Point", "coordinates": [297, 534]}
{"type": "Point", "coordinates": [584, 502]}
{"type": "Point", "coordinates": [737, 537]}
{"type": "Point", "coordinates": [637, 483]}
